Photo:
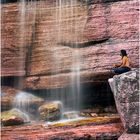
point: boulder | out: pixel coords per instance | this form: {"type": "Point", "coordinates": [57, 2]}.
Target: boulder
{"type": "Point", "coordinates": [126, 93]}
{"type": "Point", "coordinates": [13, 117]}
{"type": "Point", "coordinates": [50, 111]}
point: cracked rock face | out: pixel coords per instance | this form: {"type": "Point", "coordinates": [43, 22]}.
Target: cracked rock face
{"type": "Point", "coordinates": [126, 92]}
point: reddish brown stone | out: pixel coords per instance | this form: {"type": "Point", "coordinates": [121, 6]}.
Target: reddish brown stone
{"type": "Point", "coordinates": [92, 66]}
{"type": "Point", "coordinates": [64, 80]}
{"type": "Point", "coordinates": [15, 38]}
{"type": "Point", "coordinates": [123, 22]}
{"type": "Point", "coordinates": [113, 21]}
{"type": "Point", "coordinates": [96, 26]}
{"type": "Point", "coordinates": [7, 98]}
{"type": "Point", "coordinates": [50, 55]}
{"type": "Point", "coordinates": [109, 131]}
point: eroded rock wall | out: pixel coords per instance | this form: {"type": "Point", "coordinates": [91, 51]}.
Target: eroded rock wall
{"type": "Point", "coordinates": [97, 31]}
{"type": "Point", "coordinates": [16, 35]}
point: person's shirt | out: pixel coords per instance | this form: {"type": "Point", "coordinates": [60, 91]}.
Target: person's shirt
{"type": "Point", "coordinates": [125, 62]}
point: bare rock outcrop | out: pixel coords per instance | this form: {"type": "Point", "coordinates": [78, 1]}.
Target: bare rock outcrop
{"type": "Point", "coordinates": [127, 99]}
{"type": "Point", "coordinates": [126, 93]}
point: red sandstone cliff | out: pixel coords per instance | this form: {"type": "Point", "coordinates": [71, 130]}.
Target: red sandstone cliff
{"type": "Point", "coordinates": [99, 29]}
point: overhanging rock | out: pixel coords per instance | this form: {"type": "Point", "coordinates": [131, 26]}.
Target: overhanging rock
{"type": "Point", "coordinates": [65, 79]}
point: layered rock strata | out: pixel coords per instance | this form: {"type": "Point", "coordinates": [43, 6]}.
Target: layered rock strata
{"type": "Point", "coordinates": [7, 97]}
{"type": "Point", "coordinates": [15, 38]}
{"type": "Point", "coordinates": [53, 38]}
{"type": "Point", "coordinates": [38, 131]}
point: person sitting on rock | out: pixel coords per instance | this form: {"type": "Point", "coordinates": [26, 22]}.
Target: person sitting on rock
{"type": "Point", "coordinates": [124, 66]}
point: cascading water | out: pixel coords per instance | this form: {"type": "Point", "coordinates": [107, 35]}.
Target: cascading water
{"type": "Point", "coordinates": [67, 10]}
{"type": "Point", "coordinates": [66, 13]}
{"type": "Point", "coordinates": [28, 103]}
{"type": "Point", "coordinates": [23, 100]}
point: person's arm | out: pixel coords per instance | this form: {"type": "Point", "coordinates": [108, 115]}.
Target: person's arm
{"type": "Point", "coordinates": [117, 65]}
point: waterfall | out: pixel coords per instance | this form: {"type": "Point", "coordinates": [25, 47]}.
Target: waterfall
{"type": "Point", "coordinates": [27, 103]}
{"type": "Point", "coordinates": [22, 40]}
{"type": "Point", "coordinates": [66, 15]}
{"type": "Point", "coordinates": [23, 101]}
{"type": "Point", "coordinates": [76, 66]}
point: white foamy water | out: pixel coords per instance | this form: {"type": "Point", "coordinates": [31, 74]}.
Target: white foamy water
{"type": "Point", "coordinates": [66, 121]}
{"type": "Point", "coordinates": [24, 100]}
{"type": "Point", "coordinates": [24, 115]}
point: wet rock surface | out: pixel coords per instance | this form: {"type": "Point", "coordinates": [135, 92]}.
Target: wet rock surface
{"type": "Point", "coordinates": [50, 111]}
{"type": "Point", "coordinates": [28, 102]}
{"type": "Point", "coordinates": [12, 97]}
{"type": "Point", "coordinates": [70, 115]}
{"type": "Point", "coordinates": [13, 117]}
{"type": "Point", "coordinates": [87, 130]}
{"type": "Point", "coordinates": [126, 93]}
{"type": "Point", "coordinates": [80, 121]}
{"type": "Point", "coordinates": [99, 110]}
